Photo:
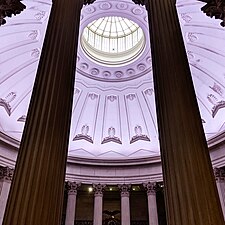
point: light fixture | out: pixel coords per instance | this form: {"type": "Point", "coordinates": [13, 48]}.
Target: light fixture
{"type": "Point", "coordinates": [90, 189]}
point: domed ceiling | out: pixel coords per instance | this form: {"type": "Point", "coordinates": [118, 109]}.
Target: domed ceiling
{"type": "Point", "coordinates": [114, 113]}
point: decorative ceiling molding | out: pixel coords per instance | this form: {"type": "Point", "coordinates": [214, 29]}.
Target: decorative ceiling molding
{"type": "Point", "coordinates": [9, 8]}
{"type": "Point", "coordinates": [113, 114]}
{"type": "Point", "coordinates": [215, 8]}
{"type": "Point", "coordinates": [138, 66]}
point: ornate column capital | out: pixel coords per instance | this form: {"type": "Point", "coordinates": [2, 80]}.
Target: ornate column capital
{"type": "Point", "coordinates": [99, 189]}
{"type": "Point", "coordinates": [9, 8]}
{"type": "Point", "coordinates": [6, 173]}
{"type": "Point", "coordinates": [215, 8]}
{"type": "Point", "coordinates": [150, 188]}
{"type": "Point", "coordinates": [88, 2]}
{"type": "Point", "coordinates": [140, 2]}
{"type": "Point", "coordinates": [219, 174]}
{"type": "Point", "coordinates": [124, 189]}
{"type": "Point", "coordinates": [72, 187]}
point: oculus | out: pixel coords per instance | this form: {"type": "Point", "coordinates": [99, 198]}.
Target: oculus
{"type": "Point", "coordinates": [113, 40]}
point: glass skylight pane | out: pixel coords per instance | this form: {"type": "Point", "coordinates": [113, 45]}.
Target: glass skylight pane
{"type": "Point", "coordinates": [111, 35]}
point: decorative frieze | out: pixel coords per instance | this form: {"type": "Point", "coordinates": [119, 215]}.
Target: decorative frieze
{"type": "Point", "coordinates": [6, 173]}
{"type": "Point", "coordinates": [72, 187]}
{"type": "Point", "coordinates": [9, 8]}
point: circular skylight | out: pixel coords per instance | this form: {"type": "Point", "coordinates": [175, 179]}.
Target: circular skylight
{"type": "Point", "coordinates": [113, 40]}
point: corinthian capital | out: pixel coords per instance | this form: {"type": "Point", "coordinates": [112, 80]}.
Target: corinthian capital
{"type": "Point", "coordinates": [150, 187]}
{"type": "Point", "coordinates": [219, 174]}
{"type": "Point", "coordinates": [139, 2]}
{"type": "Point", "coordinates": [215, 9]}
{"type": "Point", "coordinates": [124, 189]}
{"type": "Point", "coordinates": [99, 189]}
{"type": "Point", "coordinates": [6, 173]}
{"type": "Point", "coordinates": [88, 2]}
{"type": "Point", "coordinates": [9, 8]}
{"type": "Point", "coordinates": [72, 187]}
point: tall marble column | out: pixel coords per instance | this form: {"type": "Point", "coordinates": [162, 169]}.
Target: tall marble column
{"type": "Point", "coordinates": [98, 203]}
{"type": "Point", "coordinates": [152, 206]}
{"type": "Point", "coordinates": [71, 188]}
{"type": "Point", "coordinates": [220, 183]}
{"type": "Point", "coordinates": [6, 175]}
{"type": "Point", "coordinates": [125, 203]}
{"type": "Point", "coordinates": [36, 195]}
{"type": "Point", "coordinates": [190, 189]}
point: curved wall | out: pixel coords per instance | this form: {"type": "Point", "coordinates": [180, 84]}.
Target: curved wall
{"type": "Point", "coordinates": [133, 171]}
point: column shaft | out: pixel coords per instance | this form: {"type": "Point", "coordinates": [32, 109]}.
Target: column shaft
{"type": "Point", "coordinates": [152, 210]}
{"type": "Point", "coordinates": [125, 203]}
{"type": "Point", "coordinates": [37, 189]}
{"type": "Point", "coordinates": [125, 210]}
{"type": "Point", "coordinates": [190, 190]}
{"type": "Point", "coordinates": [71, 188]}
{"type": "Point", "coordinates": [98, 209]}
{"type": "Point", "coordinates": [220, 183]}
{"type": "Point", "coordinates": [152, 206]}
{"type": "Point", "coordinates": [98, 203]}
{"type": "Point", "coordinates": [6, 175]}
{"type": "Point", "coordinates": [221, 191]}
{"type": "Point", "coordinates": [5, 187]}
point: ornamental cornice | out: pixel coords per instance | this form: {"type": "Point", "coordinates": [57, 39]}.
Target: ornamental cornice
{"type": "Point", "coordinates": [6, 173]}
{"type": "Point", "coordinates": [72, 187]}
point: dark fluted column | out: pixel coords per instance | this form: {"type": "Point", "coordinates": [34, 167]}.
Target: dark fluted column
{"type": "Point", "coordinates": [190, 190]}
{"type": "Point", "coordinates": [37, 189]}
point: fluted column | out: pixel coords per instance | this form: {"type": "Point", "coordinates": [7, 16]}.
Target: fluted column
{"type": "Point", "coordinates": [98, 203]}
{"type": "Point", "coordinates": [190, 189]}
{"type": "Point", "coordinates": [220, 183]}
{"type": "Point", "coordinates": [152, 206]}
{"type": "Point", "coordinates": [6, 175]}
{"type": "Point", "coordinates": [125, 203]}
{"type": "Point", "coordinates": [36, 195]}
{"type": "Point", "coordinates": [71, 188]}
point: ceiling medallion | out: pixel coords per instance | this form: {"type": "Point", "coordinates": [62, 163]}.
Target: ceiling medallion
{"type": "Point", "coordinates": [9, 8]}
{"type": "Point", "coordinates": [215, 8]}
